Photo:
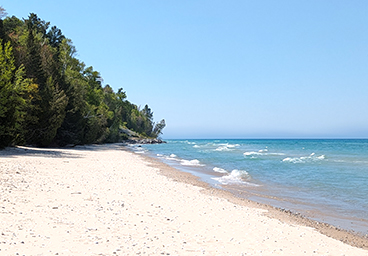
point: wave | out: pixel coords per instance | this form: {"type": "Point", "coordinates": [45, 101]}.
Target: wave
{"type": "Point", "coordinates": [252, 153]}
{"type": "Point", "coordinates": [188, 142]}
{"type": "Point", "coordinates": [138, 149]}
{"type": "Point", "coordinates": [194, 162]}
{"type": "Point", "coordinates": [311, 158]}
{"type": "Point", "coordinates": [173, 157]}
{"type": "Point", "coordinates": [216, 146]}
{"type": "Point", "coordinates": [262, 152]}
{"type": "Point", "coordinates": [219, 170]}
{"type": "Point", "coordinates": [234, 177]}
{"type": "Point", "coordinates": [223, 148]}
{"type": "Point", "coordinates": [226, 147]}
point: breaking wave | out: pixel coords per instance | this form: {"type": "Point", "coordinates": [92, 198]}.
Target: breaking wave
{"type": "Point", "coordinates": [234, 177]}
{"type": "Point", "coordinates": [184, 162]}
{"type": "Point", "coordinates": [226, 147]}
{"type": "Point", "coordinates": [262, 152]}
{"type": "Point", "coordinates": [194, 162]}
{"type": "Point", "coordinates": [311, 158]}
{"type": "Point", "coordinates": [219, 170]}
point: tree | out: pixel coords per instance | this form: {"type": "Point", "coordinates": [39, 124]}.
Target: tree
{"type": "Point", "coordinates": [49, 97]}
{"type": "Point", "coordinates": [17, 34]}
{"type": "Point", "coordinates": [2, 12]}
{"type": "Point", "coordinates": [2, 29]}
{"type": "Point", "coordinates": [16, 93]}
{"type": "Point", "coordinates": [55, 37]}
{"type": "Point", "coordinates": [37, 25]}
{"type": "Point", "coordinates": [11, 24]}
{"type": "Point", "coordinates": [33, 61]}
{"type": "Point", "coordinates": [75, 86]}
{"type": "Point", "coordinates": [147, 112]}
{"type": "Point", "coordinates": [49, 107]}
{"type": "Point", "coordinates": [148, 120]}
{"type": "Point", "coordinates": [157, 131]}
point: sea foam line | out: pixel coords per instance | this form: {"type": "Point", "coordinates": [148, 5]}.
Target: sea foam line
{"type": "Point", "coordinates": [262, 152]}
{"type": "Point", "coordinates": [304, 159]}
{"type": "Point", "coordinates": [193, 162]}
{"type": "Point", "coordinates": [184, 162]}
{"type": "Point", "coordinates": [235, 177]}
{"type": "Point", "coordinates": [219, 170]}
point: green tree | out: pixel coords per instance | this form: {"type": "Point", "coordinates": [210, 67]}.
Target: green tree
{"type": "Point", "coordinates": [2, 30]}
{"type": "Point", "coordinates": [17, 34]}
{"type": "Point", "coordinates": [148, 120]}
{"type": "Point", "coordinates": [16, 93]}
{"type": "Point", "coordinates": [49, 107]}
{"type": "Point", "coordinates": [157, 131]}
{"type": "Point", "coordinates": [11, 24]}
{"type": "Point", "coordinates": [48, 96]}
{"type": "Point", "coordinates": [55, 37]}
{"type": "Point", "coordinates": [75, 86]}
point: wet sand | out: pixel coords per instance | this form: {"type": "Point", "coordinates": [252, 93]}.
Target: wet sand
{"type": "Point", "coordinates": [102, 200]}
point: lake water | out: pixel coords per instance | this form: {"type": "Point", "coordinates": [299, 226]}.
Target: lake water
{"type": "Point", "coordinates": [326, 180]}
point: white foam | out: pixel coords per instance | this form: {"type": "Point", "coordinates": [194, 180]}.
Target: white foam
{"type": "Point", "coordinates": [222, 148]}
{"type": "Point", "coordinates": [138, 149]}
{"type": "Point", "coordinates": [304, 159]}
{"type": "Point", "coordinates": [194, 162]}
{"type": "Point", "coordinates": [276, 154]}
{"type": "Point", "coordinates": [320, 157]}
{"type": "Point", "coordinates": [189, 142]}
{"type": "Point", "coordinates": [235, 177]}
{"type": "Point", "coordinates": [220, 170]}
{"type": "Point", "coordinates": [262, 152]}
{"type": "Point", "coordinates": [172, 157]}
{"type": "Point", "coordinates": [252, 153]}
{"type": "Point", "coordinates": [226, 147]}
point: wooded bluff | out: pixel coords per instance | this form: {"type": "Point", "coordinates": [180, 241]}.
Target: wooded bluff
{"type": "Point", "coordinates": [48, 97]}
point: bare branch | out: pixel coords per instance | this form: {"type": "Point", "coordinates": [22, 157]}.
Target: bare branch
{"type": "Point", "coordinates": [3, 12]}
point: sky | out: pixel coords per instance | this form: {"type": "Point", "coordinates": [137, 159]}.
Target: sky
{"type": "Point", "coordinates": [227, 69]}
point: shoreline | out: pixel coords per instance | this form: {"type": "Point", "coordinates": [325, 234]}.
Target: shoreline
{"type": "Point", "coordinates": [106, 200]}
{"type": "Point", "coordinates": [284, 215]}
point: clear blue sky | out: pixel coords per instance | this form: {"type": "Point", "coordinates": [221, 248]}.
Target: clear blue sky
{"type": "Point", "coordinates": [227, 69]}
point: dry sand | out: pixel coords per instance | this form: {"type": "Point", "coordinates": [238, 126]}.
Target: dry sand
{"type": "Point", "coordinates": [101, 200]}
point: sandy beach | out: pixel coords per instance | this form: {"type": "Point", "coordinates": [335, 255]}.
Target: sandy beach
{"type": "Point", "coordinates": [105, 200]}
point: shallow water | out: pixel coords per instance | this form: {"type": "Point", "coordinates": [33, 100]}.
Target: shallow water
{"type": "Point", "coordinates": [326, 180]}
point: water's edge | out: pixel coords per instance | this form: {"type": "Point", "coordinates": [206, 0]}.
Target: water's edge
{"type": "Point", "coordinates": [245, 198]}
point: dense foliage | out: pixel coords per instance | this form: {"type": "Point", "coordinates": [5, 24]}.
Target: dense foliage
{"type": "Point", "coordinates": [49, 97]}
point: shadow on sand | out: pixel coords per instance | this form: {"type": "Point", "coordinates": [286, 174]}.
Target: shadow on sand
{"type": "Point", "coordinates": [66, 152]}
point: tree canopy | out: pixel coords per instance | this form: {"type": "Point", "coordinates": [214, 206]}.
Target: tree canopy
{"type": "Point", "coordinates": [49, 97]}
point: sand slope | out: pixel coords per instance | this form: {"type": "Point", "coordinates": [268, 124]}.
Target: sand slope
{"type": "Point", "coordinates": [100, 200]}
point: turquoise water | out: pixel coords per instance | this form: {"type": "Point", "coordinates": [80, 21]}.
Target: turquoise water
{"type": "Point", "coordinates": [326, 180]}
